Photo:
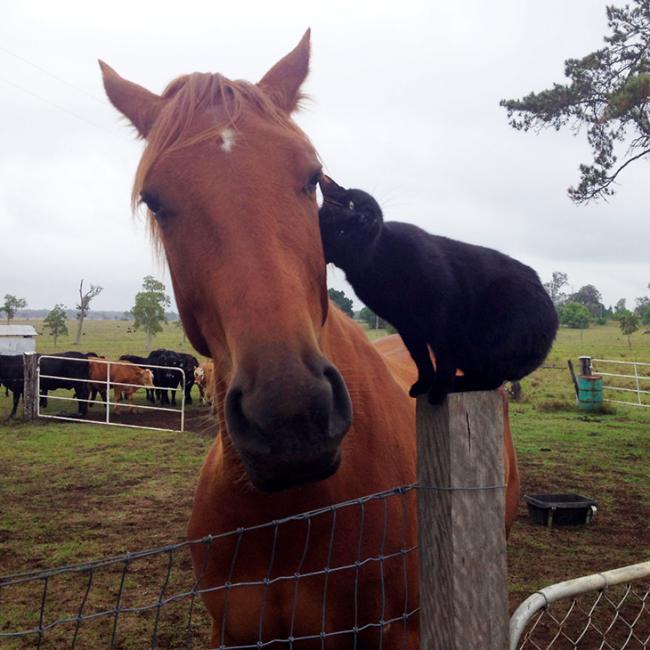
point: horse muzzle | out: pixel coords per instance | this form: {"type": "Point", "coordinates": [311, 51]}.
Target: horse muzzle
{"type": "Point", "coordinates": [274, 474]}
{"type": "Point", "coordinates": [287, 425]}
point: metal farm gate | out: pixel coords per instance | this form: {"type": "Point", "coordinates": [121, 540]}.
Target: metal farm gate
{"type": "Point", "coordinates": [107, 385]}
{"type": "Point", "coordinates": [624, 379]}
{"type": "Point", "coordinates": [609, 610]}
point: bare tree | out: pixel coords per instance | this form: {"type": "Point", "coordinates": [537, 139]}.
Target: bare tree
{"type": "Point", "coordinates": [555, 286]}
{"type": "Point", "coordinates": [84, 305]}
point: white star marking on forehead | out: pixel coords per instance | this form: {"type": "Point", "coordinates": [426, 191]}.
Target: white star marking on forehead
{"type": "Point", "coordinates": [227, 140]}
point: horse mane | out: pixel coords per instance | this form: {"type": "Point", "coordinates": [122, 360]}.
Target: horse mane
{"type": "Point", "coordinates": [189, 96]}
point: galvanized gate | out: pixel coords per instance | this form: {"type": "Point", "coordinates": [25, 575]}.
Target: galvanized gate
{"type": "Point", "coordinates": [108, 384]}
{"type": "Point", "coordinates": [624, 379]}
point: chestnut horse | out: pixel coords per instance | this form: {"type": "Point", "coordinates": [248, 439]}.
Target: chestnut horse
{"type": "Point", "coordinates": [310, 413]}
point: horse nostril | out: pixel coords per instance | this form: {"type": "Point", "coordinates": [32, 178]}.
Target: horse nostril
{"type": "Point", "coordinates": [303, 412]}
{"type": "Point", "coordinates": [238, 423]}
{"type": "Point", "coordinates": [341, 412]}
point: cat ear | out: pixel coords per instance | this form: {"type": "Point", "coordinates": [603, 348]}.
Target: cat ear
{"type": "Point", "coordinates": [282, 82]}
{"type": "Point", "coordinates": [328, 185]}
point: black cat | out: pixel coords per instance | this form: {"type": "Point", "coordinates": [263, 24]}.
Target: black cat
{"type": "Point", "coordinates": [475, 308]}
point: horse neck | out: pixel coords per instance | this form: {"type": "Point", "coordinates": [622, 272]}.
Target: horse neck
{"type": "Point", "coordinates": [346, 345]}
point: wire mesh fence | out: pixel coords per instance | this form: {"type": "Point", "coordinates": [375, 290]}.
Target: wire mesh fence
{"type": "Point", "coordinates": [608, 611]}
{"type": "Point", "coordinates": [344, 587]}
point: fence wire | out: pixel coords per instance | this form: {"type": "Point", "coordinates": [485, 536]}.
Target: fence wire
{"type": "Point", "coordinates": [616, 617]}
{"type": "Point", "coordinates": [349, 584]}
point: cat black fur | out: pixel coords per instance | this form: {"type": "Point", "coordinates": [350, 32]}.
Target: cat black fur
{"type": "Point", "coordinates": [476, 308]}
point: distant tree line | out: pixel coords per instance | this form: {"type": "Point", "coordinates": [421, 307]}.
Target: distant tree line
{"type": "Point", "coordinates": [366, 315]}
{"type": "Point", "coordinates": [95, 314]}
{"type": "Point", "coordinates": [578, 310]}
{"type": "Point", "coordinates": [147, 314]}
{"type": "Point", "coordinates": [344, 303]}
{"type": "Point", "coordinates": [373, 321]}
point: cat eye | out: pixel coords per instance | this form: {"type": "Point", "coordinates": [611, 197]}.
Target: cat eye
{"type": "Point", "coordinates": [351, 205]}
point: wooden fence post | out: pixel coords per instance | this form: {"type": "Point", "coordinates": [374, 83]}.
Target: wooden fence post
{"type": "Point", "coordinates": [463, 589]}
{"type": "Point", "coordinates": [30, 394]}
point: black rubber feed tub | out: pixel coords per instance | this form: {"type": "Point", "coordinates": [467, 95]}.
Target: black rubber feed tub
{"type": "Point", "coordinates": [560, 509]}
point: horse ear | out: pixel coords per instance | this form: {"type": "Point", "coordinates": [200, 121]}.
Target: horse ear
{"type": "Point", "coordinates": [282, 82]}
{"type": "Point", "coordinates": [136, 103]}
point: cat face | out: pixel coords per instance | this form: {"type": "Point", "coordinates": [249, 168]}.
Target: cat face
{"type": "Point", "coordinates": [350, 221]}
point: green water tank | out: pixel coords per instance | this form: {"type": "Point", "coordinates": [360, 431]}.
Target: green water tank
{"type": "Point", "coordinates": [590, 392]}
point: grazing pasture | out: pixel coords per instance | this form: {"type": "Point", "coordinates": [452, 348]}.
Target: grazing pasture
{"type": "Point", "coordinates": [110, 339]}
{"type": "Point", "coordinates": [73, 492]}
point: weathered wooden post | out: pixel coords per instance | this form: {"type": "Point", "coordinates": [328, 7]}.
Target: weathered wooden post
{"type": "Point", "coordinates": [30, 386]}
{"type": "Point", "coordinates": [461, 515]}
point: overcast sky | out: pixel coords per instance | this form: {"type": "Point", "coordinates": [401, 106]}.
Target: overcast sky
{"type": "Point", "coordinates": [404, 105]}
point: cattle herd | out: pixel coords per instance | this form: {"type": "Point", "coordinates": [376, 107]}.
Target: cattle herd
{"type": "Point", "coordinates": [161, 374]}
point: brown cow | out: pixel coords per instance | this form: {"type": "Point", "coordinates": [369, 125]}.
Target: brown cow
{"type": "Point", "coordinates": [125, 378]}
{"type": "Point", "coordinates": [204, 379]}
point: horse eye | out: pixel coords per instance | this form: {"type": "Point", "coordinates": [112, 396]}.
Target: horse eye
{"type": "Point", "coordinates": [351, 205]}
{"type": "Point", "coordinates": [313, 181]}
{"type": "Point", "coordinates": [153, 203]}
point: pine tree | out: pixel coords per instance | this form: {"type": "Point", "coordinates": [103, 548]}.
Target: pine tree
{"type": "Point", "coordinates": [608, 93]}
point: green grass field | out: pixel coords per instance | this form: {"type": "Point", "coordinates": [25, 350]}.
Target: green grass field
{"type": "Point", "coordinates": [73, 492]}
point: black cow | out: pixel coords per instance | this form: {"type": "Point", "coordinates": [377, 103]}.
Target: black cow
{"type": "Point", "coordinates": [188, 365]}
{"type": "Point", "coordinates": [185, 362]}
{"type": "Point", "coordinates": [70, 374]}
{"type": "Point", "coordinates": [164, 380]}
{"type": "Point", "coordinates": [167, 380]}
{"type": "Point", "coordinates": [12, 377]}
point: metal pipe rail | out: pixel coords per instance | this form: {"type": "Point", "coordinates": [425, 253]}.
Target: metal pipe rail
{"type": "Point", "coordinates": [90, 401]}
{"type": "Point", "coordinates": [108, 383]}
{"type": "Point", "coordinates": [571, 589]}
{"type": "Point", "coordinates": [624, 363]}
{"type": "Point", "coordinates": [638, 378]}
{"type": "Point", "coordinates": [614, 374]}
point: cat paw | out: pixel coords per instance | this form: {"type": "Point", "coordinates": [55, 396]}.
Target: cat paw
{"type": "Point", "coordinates": [419, 388]}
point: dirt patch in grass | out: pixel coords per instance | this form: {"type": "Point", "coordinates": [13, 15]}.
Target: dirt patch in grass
{"type": "Point", "coordinates": [73, 493]}
{"type": "Point", "coordinates": [618, 536]}
{"type": "Point", "coordinates": [196, 419]}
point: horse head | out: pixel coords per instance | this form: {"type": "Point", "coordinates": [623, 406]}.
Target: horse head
{"type": "Point", "coordinates": [229, 181]}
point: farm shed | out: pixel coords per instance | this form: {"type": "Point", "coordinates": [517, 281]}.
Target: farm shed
{"type": "Point", "coordinates": [16, 339]}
